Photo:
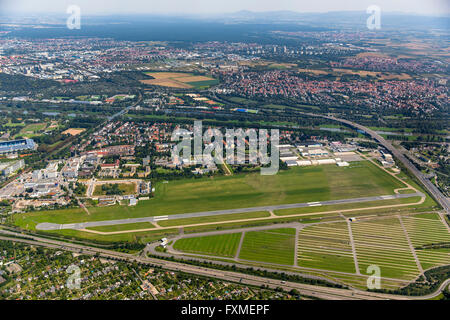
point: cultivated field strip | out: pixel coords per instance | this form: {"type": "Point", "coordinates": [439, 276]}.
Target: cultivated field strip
{"type": "Point", "coordinates": [384, 243]}
{"type": "Point", "coordinates": [273, 246]}
{"type": "Point", "coordinates": [326, 247]}
{"type": "Point", "coordinates": [426, 232]}
{"type": "Point", "coordinates": [224, 245]}
{"type": "Point", "coordinates": [360, 281]}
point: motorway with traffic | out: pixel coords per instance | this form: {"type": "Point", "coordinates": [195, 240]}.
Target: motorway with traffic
{"type": "Point", "coordinates": [434, 191]}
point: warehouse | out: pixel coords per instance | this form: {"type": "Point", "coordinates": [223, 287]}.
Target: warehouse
{"type": "Point", "coordinates": [291, 163]}
{"type": "Point", "coordinates": [310, 144]}
{"type": "Point", "coordinates": [318, 153]}
{"type": "Point", "coordinates": [304, 163]}
{"type": "Point", "coordinates": [326, 161]}
{"type": "Point", "coordinates": [284, 159]}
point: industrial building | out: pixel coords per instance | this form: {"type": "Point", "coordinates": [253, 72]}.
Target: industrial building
{"type": "Point", "coordinates": [291, 163]}
{"type": "Point", "coordinates": [309, 144]}
{"type": "Point", "coordinates": [318, 153]}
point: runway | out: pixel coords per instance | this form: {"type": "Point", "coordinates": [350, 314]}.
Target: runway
{"type": "Point", "coordinates": [83, 225]}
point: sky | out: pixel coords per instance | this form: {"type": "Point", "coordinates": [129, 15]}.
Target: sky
{"type": "Point", "coordinates": [425, 7]}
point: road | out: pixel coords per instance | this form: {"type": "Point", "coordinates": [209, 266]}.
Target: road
{"type": "Point", "coordinates": [304, 289]}
{"type": "Point", "coordinates": [83, 225]}
{"type": "Point", "coordinates": [443, 201]}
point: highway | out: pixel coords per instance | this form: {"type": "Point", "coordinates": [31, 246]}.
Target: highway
{"type": "Point", "coordinates": [304, 289]}
{"type": "Point", "coordinates": [437, 194]}
{"type": "Point", "coordinates": [83, 225]}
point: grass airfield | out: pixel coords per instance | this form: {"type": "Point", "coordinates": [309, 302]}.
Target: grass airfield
{"type": "Point", "coordinates": [296, 185]}
{"type": "Point", "coordinates": [321, 246]}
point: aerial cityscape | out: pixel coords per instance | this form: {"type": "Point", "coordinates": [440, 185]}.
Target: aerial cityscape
{"type": "Point", "coordinates": [277, 154]}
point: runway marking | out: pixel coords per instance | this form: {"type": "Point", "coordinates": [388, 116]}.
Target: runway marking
{"type": "Point", "coordinates": [314, 204]}
{"type": "Point", "coordinates": [50, 226]}
{"type": "Point", "coordinates": [160, 218]}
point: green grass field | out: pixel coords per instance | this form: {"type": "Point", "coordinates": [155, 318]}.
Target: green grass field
{"type": "Point", "coordinates": [124, 227]}
{"type": "Point", "coordinates": [137, 237]}
{"type": "Point", "coordinates": [226, 217]}
{"type": "Point", "coordinates": [224, 245]}
{"type": "Point", "coordinates": [272, 246]}
{"type": "Point", "coordinates": [347, 206]}
{"type": "Point", "coordinates": [297, 185]}
{"type": "Point", "coordinates": [31, 130]}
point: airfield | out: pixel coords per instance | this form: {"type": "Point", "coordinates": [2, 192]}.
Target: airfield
{"type": "Point", "coordinates": [296, 185]}
{"type": "Point", "coordinates": [300, 192]}
{"type": "Point", "coordinates": [296, 221]}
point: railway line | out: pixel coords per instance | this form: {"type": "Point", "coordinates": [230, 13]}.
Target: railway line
{"type": "Point", "coordinates": [305, 289]}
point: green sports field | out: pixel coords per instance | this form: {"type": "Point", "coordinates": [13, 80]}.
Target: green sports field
{"type": "Point", "coordinates": [296, 185]}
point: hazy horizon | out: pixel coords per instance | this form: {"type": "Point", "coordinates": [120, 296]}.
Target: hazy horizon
{"type": "Point", "coordinates": [204, 7]}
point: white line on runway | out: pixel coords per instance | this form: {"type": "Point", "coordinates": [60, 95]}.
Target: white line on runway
{"type": "Point", "coordinates": [160, 218]}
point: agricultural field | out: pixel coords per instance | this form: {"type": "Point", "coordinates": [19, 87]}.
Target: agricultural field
{"type": "Point", "coordinates": [224, 245]}
{"type": "Point", "coordinates": [179, 80]}
{"type": "Point", "coordinates": [272, 246]}
{"type": "Point", "coordinates": [362, 73]}
{"type": "Point", "coordinates": [383, 243]}
{"type": "Point", "coordinates": [327, 247]}
{"type": "Point", "coordinates": [296, 185]}
{"type": "Point", "coordinates": [74, 131]}
{"type": "Point", "coordinates": [424, 231]}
